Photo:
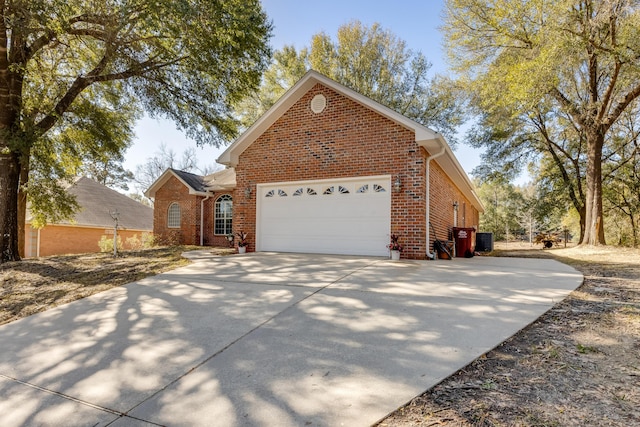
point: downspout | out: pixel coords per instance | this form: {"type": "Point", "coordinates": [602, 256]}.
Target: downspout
{"type": "Point", "coordinates": [202, 217]}
{"type": "Point", "coordinates": [428, 196]}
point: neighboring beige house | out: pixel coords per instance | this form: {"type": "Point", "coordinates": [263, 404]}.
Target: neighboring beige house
{"type": "Point", "coordinates": [90, 223]}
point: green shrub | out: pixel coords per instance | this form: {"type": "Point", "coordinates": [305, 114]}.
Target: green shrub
{"type": "Point", "coordinates": [106, 243]}
{"type": "Point", "coordinates": [145, 241]}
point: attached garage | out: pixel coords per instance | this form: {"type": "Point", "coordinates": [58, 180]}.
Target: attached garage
{"type": "Point", "coordinates": [342, 216]}
{"type": "Point", "coordinates": [328, 170]}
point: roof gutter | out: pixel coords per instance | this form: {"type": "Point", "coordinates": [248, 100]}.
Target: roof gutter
{"type": "Point", "coordinates": [430, 255]}
{"type": "Point", "coordinates": [202, 217]}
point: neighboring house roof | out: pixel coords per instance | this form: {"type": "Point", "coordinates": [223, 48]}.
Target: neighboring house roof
{"type": "Point", "coordinates": [431, 140]}
{"type": "Point", "coordinates": [199, 185]}
{"type": "Point", "coordinates": [97, 202]}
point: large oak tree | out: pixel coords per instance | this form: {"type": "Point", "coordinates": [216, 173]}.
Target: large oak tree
{"type": "Point", "coordinates": [187, 60]}
{"type": "Point", "coordinates": [580, 58]}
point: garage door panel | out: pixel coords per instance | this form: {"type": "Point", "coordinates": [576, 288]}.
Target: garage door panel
{"type": "Point", "coordinates": [324, 245]}
{"type": "Point", "coordinates": [352, 219]}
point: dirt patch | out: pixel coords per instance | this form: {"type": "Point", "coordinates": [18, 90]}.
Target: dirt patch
{"type": "Point", "coordinates": [578, 365]}
{"type": "Point", "coordinates": [37, 284]}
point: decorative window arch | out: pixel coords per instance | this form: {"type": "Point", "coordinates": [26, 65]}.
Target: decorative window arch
{"type": "Point", "coordinates": [223, 218]}
{"type": "Point", "coordinates": [173, 215]}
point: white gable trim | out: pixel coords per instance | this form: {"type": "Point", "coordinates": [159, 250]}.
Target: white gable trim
{"type": "Point", "coordinates": [230, 156]}
{"type": "Point", "coordinates": [431, 140]}
{"type": "Point", "coordinates": [151, 192]}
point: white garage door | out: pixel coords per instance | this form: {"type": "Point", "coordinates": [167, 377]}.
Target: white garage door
{"type": "Point", "coordinates": [344, 216]}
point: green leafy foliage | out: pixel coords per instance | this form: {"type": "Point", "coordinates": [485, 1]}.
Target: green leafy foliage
{"type": "Point", "coordinates": [372, 61]}
{"type": "Point", "coordinates": [549, 80]}
{"type": "Point", "coordinates": [518, 212]}
{"type": "Point", "coordinates": [106, 243]}
{"type": "Point", "coordinates": [78, 73]}
{"type": "Point", "coordinates": [145, 241]}
{"type": "Point", "coordinates": [621, 180]}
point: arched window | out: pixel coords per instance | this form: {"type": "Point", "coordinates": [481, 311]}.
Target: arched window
{"type": "Point", "coordinates": [223, 215]}
{"type": "Point", "coordinates": [173, 216]}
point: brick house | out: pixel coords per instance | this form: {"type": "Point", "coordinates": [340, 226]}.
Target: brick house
{"type": "Point", "coordinates": [82, 233]}
{"type": "Point", "coordinates": [327, 170]}
{"type": "Point", "coordinates": [185, 203]}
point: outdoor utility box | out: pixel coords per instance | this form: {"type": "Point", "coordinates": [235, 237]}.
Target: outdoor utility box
{"type": "Point", "coordinates": [465, 239]}
{"type": "Point", "coordinates": [484, 242]}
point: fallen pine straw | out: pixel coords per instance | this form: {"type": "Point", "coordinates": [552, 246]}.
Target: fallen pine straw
{"type": "Point", "coordinates": [37, 284]}
{"type": "Point", "coordinates": [578, 365]}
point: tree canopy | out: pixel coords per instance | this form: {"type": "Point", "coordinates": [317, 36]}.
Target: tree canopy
{"type": "Point", "coordinates": [148, 172]}
{"type": "Point", "coordinates": [72, 66]}
{"type": "Point", "coordinates": [374, 62]}
{"type": "Point", "coordinates": [569, 68]}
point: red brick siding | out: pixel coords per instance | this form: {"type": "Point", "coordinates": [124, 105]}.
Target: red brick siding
{"type": "Point", "coordinates": [443, 195]}
{"type": "Point", "coordinates": [61, 239]}
{"type": "Point", "coordinates": [211, 239]}
{"type": "Point", "coordinates": [345, 140]}
{"type": "Point", "coordinates": [175, 191]}
{"type": "Point", "coordinates": [189, 232]}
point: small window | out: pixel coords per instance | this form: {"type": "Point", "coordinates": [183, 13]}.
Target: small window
{"type": "Point", "coordinates": [173, 216]}
{"type": "Point", "coordinates": [311, 192]}
{"type": "Point", "coordinates": [363, 189]}
{"type": "Point", "coordinates": [270, 193]}
{"type": "Point", "coordinates": [281, 193]}
{"type": "Point", "coordinates": [223, 221]}
{"type": "Point", "coordinates": [299, 192]}
{"type": "Point", "coordinates": [378, 188]}
{"type": "Point", "coordinates": [342, 190]}
{"type": "Point", "coordinates": [329, 190]}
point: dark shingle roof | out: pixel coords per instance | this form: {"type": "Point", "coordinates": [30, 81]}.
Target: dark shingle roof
{"type": "Point", "coordinates": [222, 180]}
{"type": "Point", "coordinates": [97, 202]}
{"type": "Point", "coordinates": [194, 181]}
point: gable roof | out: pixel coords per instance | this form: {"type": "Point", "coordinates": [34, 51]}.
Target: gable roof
{"type": "Point", "coordinates": [196, 182]}
{"type": "Point", "coordinates": [198, 185]}
{"type": "Point", "coordinates": [97, 202]}
{"type": "Point", "coordinates": [431, 140]}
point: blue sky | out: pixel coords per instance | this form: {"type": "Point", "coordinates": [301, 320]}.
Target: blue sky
{"type": "Point", "coordinates": [295, 22]}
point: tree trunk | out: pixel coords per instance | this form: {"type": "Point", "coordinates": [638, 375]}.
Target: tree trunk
{"type": "Point", "coordinates": [594, 226]}
{"type": "Point", "coordinates": [22, 204]}
{"type": "Point", "coordinates": [9, 181]}
{"type": "Point", "coordinates": [582, 213]}
{"type": "Point", "coordinates": [634, 229]}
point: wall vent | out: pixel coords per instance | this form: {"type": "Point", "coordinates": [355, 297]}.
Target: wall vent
{"type": "Point", "coordinates": [318, 103]}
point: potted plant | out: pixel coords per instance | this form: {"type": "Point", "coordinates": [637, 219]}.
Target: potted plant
{"type": "Point", "coordinates": [242, 242]}
{"type": "Point", "coordinates": [395, 247]}
{"type": "Point", "coordinates": [230, 238]}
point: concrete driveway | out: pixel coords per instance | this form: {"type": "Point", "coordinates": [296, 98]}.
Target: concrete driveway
{"type": "Point", "coordinates": [267, 340]}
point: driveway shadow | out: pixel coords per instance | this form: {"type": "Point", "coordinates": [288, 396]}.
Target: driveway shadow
{"type": "Point", "coordinates": [270, 339]}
